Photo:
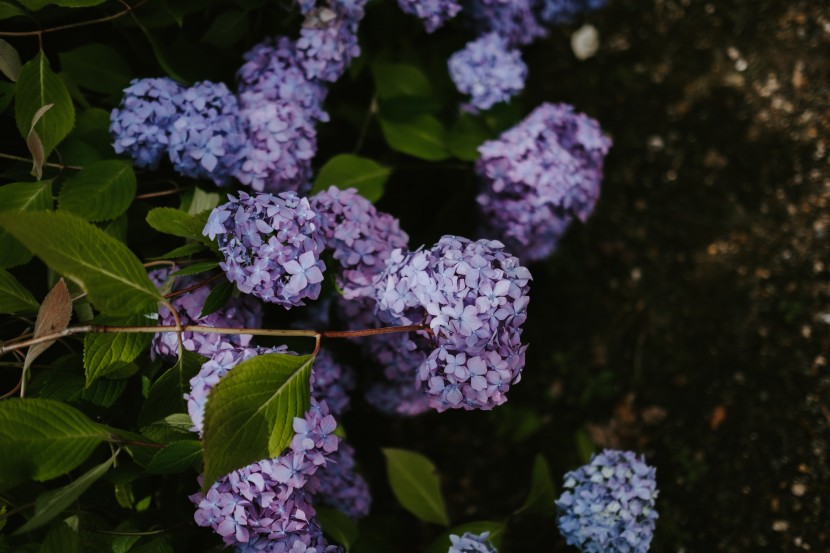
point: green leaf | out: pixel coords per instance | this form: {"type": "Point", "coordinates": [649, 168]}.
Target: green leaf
{"type": "Point", "coordinates": [158, 545]}
{"type": "Point", "coordinates": [398, 79]}
{"type": "Point", "coordinates": [422, 136]}
{"type": "Point", "coordinates": [111, 275]}
{"type": "Point", "coordinates": [21, 196]}
{"type": "Point", "coordinates": [415, 484]}
{"type": "Point", "coordinates": [443, 543]}
{"type": "Point", "coordinates": [349, 171]}
{"type": "Point", "coordinates": [38, 86]}
{"type": "Point", "coordinates": [97, 67]}
{"type": "Point", "coordinates": [182, 251]}
{"type": "Point", "coordinates": [250, 412]}
{"type": "Point", "coordinates": [176, 457]}
{"type": "Point", "coordinates": [9, 61]}
{"type": "Point", "coordinates": [100, 191]}
{"type": "Point", "coordinates": [178, 223]}
{"type": "Point", "coordinates": [6, 95]}
{"type": "Point", "coordinates": [61, 539]}
{"type": "Point", "coordinates": [43, 439]}
{"type": "Point", "coordinates": [338, 526]}
{"type": "Point", "coordinates": [542, 491]}
{"type": "Point", "coordinates": [107, 353]}
{"type": "Point", "coordinates": [165, 396]}
{"type": "Point", "coordinates": [52, 503]}
{"type": "Point", "coordinates": [35, 5]}
{"type": "Point", "coordinates": [14, 297]}
{"type": "Point", "coordinates": [227, 28]}
{"type": "Point", "coordinates": [219, 296]}
{"type": "Point", "coordinates": [104, 392]}
{"type": "Point", "coordinates": [196, 201]}
{"type": "Point", "coordinates": [7, 10]}
{"type": "Point", "coordinates": [172, 428]}
{"type": "Point", "coordinates": [197, 268]}
{"type": "Point", "coordinates": [467, 134]}
{"type": "Point", "coordinates": [584, 445]}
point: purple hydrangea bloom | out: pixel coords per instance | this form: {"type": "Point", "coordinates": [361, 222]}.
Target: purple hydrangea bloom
{"type": "Point", "coordinates": [473, 297]}
{"type": "Point", "coordinates": [564, 11]}
{"type": "Point", "coordinates": [471, 543]}
{"type": "Point", "coordinates": [331, 382]}
{"type": "Point", "coordinates": [396, 390]}
{"type": "Point", "coordinates": [515, 20]}
{"type": "Point", "coordinates": [206, 139]}
{"type": "Point", "coordinates": [328, 39]}
{"type": "Point", "coordinates": [242, 312]}
{"type": "Point", "coordinates": [266, 506]}
{"type": "Point", "coordinates": [270, 246]}
{"type": "Point", "coordinates": [538, 175]}
{"type": "Point", "coordinates": [360, 236]}
{"type": "Point", "coordinates": [607, 506]}
{"type": "Point", "coordinates": [434, 13]}
{"type": "Point", "coordinates": [337, 484]}
{"type": "Point", "coordinates": [140, 125]}
{"type": "Point", "coordinates": [489, 71]}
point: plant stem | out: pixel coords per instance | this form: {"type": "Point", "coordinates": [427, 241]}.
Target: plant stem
{"type": "Point", "coordinates": [47, 164]}
{"type": "Point", "coordinates": [316, 334]}
{"type": "Point", "coordinates": [41, 32]}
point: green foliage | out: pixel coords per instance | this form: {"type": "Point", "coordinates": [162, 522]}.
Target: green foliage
{"type": "Point", "coordinates": [414, 482]}
{"type": "Point", "coordinates": [168, 220]}
{"type": "Point", "coordinates": [350, 171]}
{"type": "Point", "coordinates": [165, 395]}
{"type": "Point", "coordinates": [110, 274]}
{"type": "Point", "coordinates": [9, 61]}
{"type": "Point", "coordinates": [61, 539]}
{"type": "Point", "coordinates": [218, 297]}
{"type": "Point", "coordinates": [250, 412]}
{"type": "Point", "coordinates": [107, 353]}
{"type": "Point", "coordinates": [176, 457]}
{"type": "Point", "coordinates": [7, 10]}
{"type": "Point", "coordinates": [542, 490]}
{"type": "Point", "coordinates": [338, 526]}
{"type": "Point", "coordinates": [496, 529]}
{"type": "Point", "coordinates": [35, 5]}
{"type": "Point", "coordinates": [43, 439]}
{"type": "Point", "coordinates": [37, 86]}
{"type": "Point", "coordinates": [21, 196]}
{"type": "Point", "coordinates": [422, 136]}
{"type": "Point", "coordinates": [196, 269]}
{"type": "Point", "coordinates": [97, 67]}
{"type": "Point", "coordinates": [14, 297]}
{"type": "Point", "coordinates": [100, 192]}
{"type": "Point", "coordinates": [466, 135]}
{"type": "Point", "coordinates": [393, 80]}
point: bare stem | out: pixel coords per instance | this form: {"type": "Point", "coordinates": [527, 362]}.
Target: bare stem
{"type": "Point", "coordinates": [47, 164]}
{"type": "Point", "coordinates": [104, 19]}
{"type": "Point", "coordinates": [194, 287]}
{"type": "Point", "coordinates": [316, 334]}
{"type": "Point", "coordinates": [158, 194]}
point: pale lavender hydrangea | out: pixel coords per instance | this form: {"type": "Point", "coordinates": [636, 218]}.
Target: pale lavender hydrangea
{"type": "Point", "coordinates": [564, 11]}
{"type": "Point", "coordinates": [140, 125]}
{"type": "Point", "coordinates": [538, 175]}
{"type": "Point", "coordinates": [207, 138]}
{"type": "Point", "coordinates": [607, 506]}
{"type": "Point", "coordinates": [266, 506]}
{"type": "Point", "coordinates": [515, 20]}
{"type": "Point", "coordinates": [434, 13]}
{"type": "Point", "coordinates": [328, 39]}
{"type": "Point", "coordinates": [337, 485]}
{"type": "Point", "coordinates": [241, 312]}
{"type": "Point", "coordinates": [489, 71]}
{"type": "Point", "coordinates": [471, 543]}
{"type": "Point", "coordinates": [473, 297]}
{"type": "Point", "coordinates": [270, 246]}
{"type": "Point", "coordinates": [332, 381]}
{"type": "Point", "coordinates": [359, 236]}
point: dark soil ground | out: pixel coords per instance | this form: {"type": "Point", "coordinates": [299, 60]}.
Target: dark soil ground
{"type": "Point", "coordinates": [689, 319]}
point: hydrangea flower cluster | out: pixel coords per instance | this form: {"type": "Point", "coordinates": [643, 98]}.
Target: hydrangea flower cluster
{"type": "Point", "coordinates": [489, 71]}
{"type": "Point", "coordinates": [540, 174]}
{"type": "Point", "coordinates": [241, 312]}
{"type": "Point", "coordinates": [564, 11]}
{"type": "Point", "coordinates": [473, 296]}
{"type": "Point", "coordinates": [266, 506]}
{"type": "Point", "coordinates": [608, 505]}
{"type": "Point", "coordinates": [270, 246]}
{"type": "Point", "coordinates": [337, 485]}
{"type": "Point", "coordinates": [141, 125]}
{"type": "Point", "coordinates": [328, 39]}
{"type": "Point", "coordinates": [434, 13]}
{"type": "Point", "coordinates": [331, 382]}
{"type": "Point", "coordinates": [515, 20]}
{"type": "Point", "coordinates": [471, 543]}
{"type": "Point", "coordinates": [359, 236]}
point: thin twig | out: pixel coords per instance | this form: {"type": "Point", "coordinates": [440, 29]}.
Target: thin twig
{"type": "Point", "coordinates": [104, 19]}
{"type": "Point", "coordinates": [194, 287]}
{"type": "Point", "coordinates": [113, 533]}
{"type": "Point", "coordinates": [14, 390]}
{"type": "Point", "coordinates": [47, 164]}
{"type": "Point", "coordinates": [158, 194]}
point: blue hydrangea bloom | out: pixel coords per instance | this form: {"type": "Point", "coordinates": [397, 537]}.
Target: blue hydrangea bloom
{"type": "Point", "coordinates": [270, 246]}
{"type": "Point", "coordinates": [337, 484]}
{"type": "Point", "coordinates": [539, 175]}
{"type": "Point", "coordinates": [434, 13]}
{"type": "Point", "coordinates": [473, 296]}
{"type": "Point", "coordinates": [515, 20]}
{"type": "Point", "coordinates": [564, 11]}
{"type": "Point", "coordinates": [140, 125]}
{"type": "Point", "coordinates": [607, 506]}
{"type": "Point", "coordinates": [471, 543]}
{"type": "Point", "coordinates": [488, 70]}
{"type": "Point", "coordinates": [328, 39]}
{"type": "Point", "coordinates": [207, 137]}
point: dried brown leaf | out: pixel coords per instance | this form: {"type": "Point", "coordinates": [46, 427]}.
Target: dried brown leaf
{"type": "Point", "coordinates": [53, 316]}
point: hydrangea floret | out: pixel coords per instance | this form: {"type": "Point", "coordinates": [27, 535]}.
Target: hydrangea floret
{"type": "Point", "coordinates": [270, 246]}
{"type": "Point", "coordinates": [488, 70]}
{"type": "Point", "coordinates": [515, 20]}
{"type": "Point", "coordinates": [471, 543]}
{"type": "Point", "coordinates": [328, 39]}
{"type": "Point", "coordinates": [538, 175]}
{"type": "Point", "coordinates": [607, 506]}
{"type": "Point", "coordinates": [339, 486]}
{"type": "Point", "coordinates": [434, 13]}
